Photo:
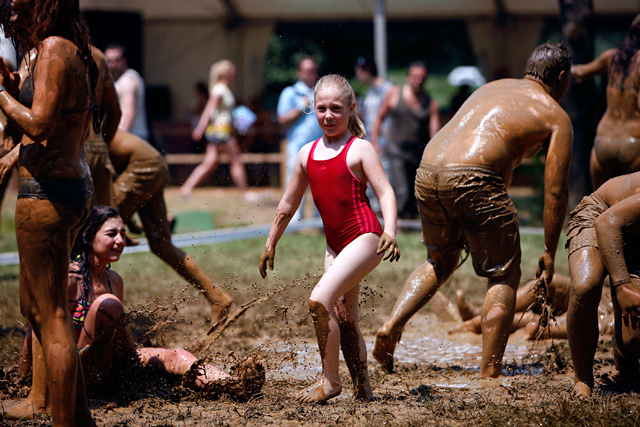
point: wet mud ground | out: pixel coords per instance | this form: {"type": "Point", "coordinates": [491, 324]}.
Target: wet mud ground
{"type": "Point", "coordinates": [435, 382]}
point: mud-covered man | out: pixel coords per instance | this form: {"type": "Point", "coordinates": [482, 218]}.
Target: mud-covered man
{"type": "Point", "coordinates": [461, 189]}
{"type": "Point", "coordinates": [603, 236]}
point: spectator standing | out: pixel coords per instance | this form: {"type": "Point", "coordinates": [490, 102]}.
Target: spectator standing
{"type": "Point", "coordinates": [131, 92]}
{"type": "Point", "coordinates": [415, 118]}
{"type": "Point", "coordinates": [295, 108]}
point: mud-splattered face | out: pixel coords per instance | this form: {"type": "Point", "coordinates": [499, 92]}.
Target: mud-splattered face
{"type": "Point", "coordinates": [108, 244]}
{"type": "Point", "coordinates": [332, 111]}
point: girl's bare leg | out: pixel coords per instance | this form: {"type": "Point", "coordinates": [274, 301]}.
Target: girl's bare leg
{"type": "Point", "coordinates": [238, 172]}
{"type": "Point", "coordinates": [178, 361]}
{"type": "Point", "coordinates": [352, 343]}
{"type": "Point", "coordinates": [341, 276]}
{"type": "Point", "coordinates": [207, 167]}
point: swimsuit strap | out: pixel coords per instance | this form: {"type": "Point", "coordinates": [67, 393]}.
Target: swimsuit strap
{"type": "Point", "coordinates": [313, 149]}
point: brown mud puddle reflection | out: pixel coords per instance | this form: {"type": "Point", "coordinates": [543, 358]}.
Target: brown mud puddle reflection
{"type": "Point", "coordinates": [425, 342]}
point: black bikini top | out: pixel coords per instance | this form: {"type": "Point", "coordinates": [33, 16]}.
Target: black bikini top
{"type": "Point", "coordinates": [26, 99]}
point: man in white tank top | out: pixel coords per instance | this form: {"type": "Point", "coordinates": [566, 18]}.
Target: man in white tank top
{"type": "Point", "coordinates": [130, 87]}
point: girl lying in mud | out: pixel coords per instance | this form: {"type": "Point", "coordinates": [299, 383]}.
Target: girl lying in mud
{"type": "Point", "coordinates": [338, 167]}
{"type": "Point", "coordinates": [99, 322]}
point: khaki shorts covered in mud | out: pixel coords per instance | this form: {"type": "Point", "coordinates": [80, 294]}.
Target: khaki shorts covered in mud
{"type": "Point", "coordinates": [581, 231]}
{"type": "Point", "coordinates": [142, 178]}
{"type": "Point", "coordinates": [469, 205]}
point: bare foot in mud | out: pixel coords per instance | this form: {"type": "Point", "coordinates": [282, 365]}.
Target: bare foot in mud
{"type": "Point", "coordinates": [466, 311]}
{"type": "Point", "coordinates": [581, 390]}
{"type": "Point", "coordinates": [22, 410]}
{"type": "Point", "coordinates": [384, 349]}
{"type": "Point", "coordinates": [317, 393]}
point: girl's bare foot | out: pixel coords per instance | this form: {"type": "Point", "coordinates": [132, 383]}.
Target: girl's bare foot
{"type": "Point", "coordinates": [318, 393]}
{"type": "Point", "coordinates": [581, 390]}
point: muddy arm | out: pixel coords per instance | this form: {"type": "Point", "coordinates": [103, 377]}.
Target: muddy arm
{"type": "Point", "coordinates": [609, 228]}
{"type": "Point", "coordinates": [597, 67]}
{"type": "Point", "coordinates": [50, 79]}
{"type": "Point", "coordinates": [286, 208]}
{"type": "Point", "coordinates": [556, 192]}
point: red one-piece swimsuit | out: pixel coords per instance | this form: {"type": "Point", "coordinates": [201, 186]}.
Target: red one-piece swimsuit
{"type": "Point", "coordinates": [341, 200]}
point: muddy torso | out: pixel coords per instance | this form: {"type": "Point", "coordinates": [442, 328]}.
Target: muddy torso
{"type": "Point", "coordinates": [61, 155]}
{"type": "Point", "coordinates": [500, 124]}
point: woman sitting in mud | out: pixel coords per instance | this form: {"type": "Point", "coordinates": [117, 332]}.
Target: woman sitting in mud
{"type": "Point", "coordinates": [338, 167]}
{"type": "Point", "coordinates": [97, 314]}
{"type": "Point", "coordinates": [616, 149]}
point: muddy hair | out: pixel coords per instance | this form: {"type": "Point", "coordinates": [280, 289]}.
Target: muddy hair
{"type": "Point", "coordinates": [626, 51]}
{"type": "Point", "coordinates": [99, 215]}
{"type": "Point", "coordinates": [547, 61]}
{"type": "Point", "coordinates": [53, 18]}
{"type": "Point", "coordinates": [217, 70]}
{"type": "Point", "coordinates": [355, 126]}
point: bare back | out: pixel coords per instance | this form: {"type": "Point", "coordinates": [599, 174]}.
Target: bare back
{"type": "Point", "coordinates": [619, 188]}
{"type": "Point", "coordinates": [501, 124]}
{"type": "Point", "coordinates": [622, 117]}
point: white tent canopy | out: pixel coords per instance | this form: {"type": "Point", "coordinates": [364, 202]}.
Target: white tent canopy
{"type": "Point", "coordinates": [295, 10]}
{"type": "Point", "coordinates": [182, 38]}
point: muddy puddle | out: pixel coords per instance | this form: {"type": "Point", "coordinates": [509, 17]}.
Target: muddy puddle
{"type": "Point", "coordinates": [424, 342]}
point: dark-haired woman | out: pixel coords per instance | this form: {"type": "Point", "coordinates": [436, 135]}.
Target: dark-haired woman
{"type": "Point", "coordinates": [616, 149]}
{"type": "Point", "coordinates": [52, 109]}
{"type": "Point", "coordinates": [95, 296]}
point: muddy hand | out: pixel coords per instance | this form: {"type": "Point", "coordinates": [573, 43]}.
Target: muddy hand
{"type": "Point", "coordinates": [267, 258]}
{"type": "Point", "coordinates": [545, 267]}
{"type": "Point", "coordinates": [627, 295]}
{"type": "Point", "coordinates": [388, 242]}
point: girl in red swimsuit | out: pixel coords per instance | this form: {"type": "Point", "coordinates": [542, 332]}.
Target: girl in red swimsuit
{"type": "Point", "coordinates": [338, 167]}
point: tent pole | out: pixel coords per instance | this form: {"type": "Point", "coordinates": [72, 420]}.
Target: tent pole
{"type": "Point", "coordinates": [380, 37]}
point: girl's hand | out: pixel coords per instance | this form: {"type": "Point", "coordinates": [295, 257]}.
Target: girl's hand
{"type": "Point", "coordinates": [266, 258]}
{"type": "Point", "coordinates": [388, 242]}
{"type": "Point", "coordinates": [197, 134]}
